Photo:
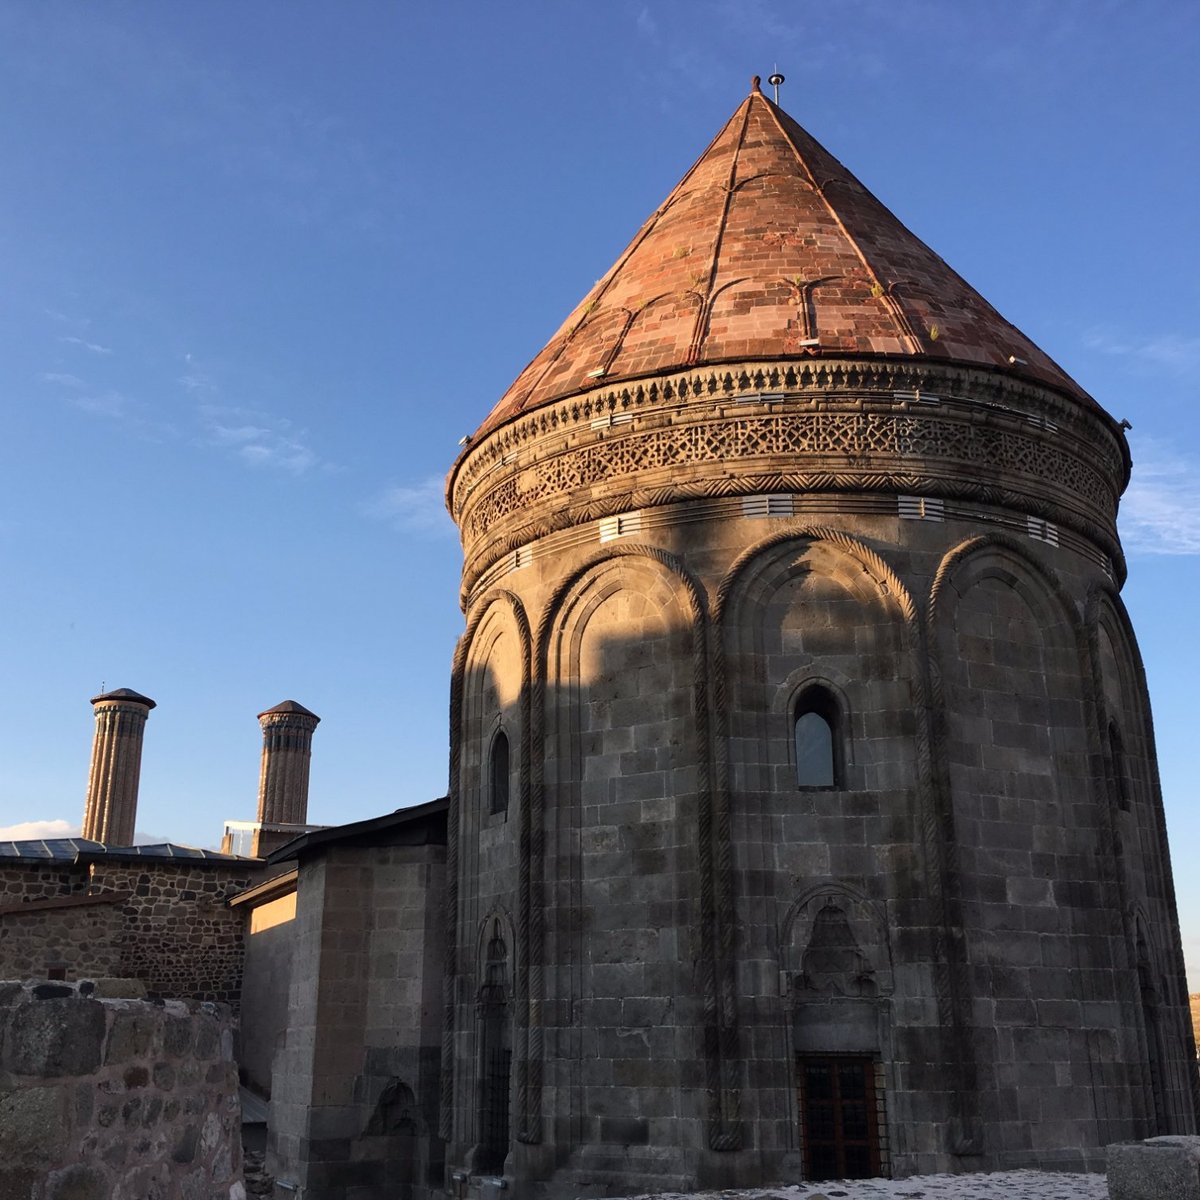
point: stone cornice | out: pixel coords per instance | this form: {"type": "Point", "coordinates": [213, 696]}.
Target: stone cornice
{"type": "Point", "coordinates": [843, 428]}
{"type": "Point", "coordinates": [814, 380]}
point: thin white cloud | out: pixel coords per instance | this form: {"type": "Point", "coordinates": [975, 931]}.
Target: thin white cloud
{"type": "Point", "coordinates": [57, 827]}
{"type": "Point", "coordinates": [258, 439]}
{"type": "Point", "coordinates": [1175, 351]}
{"type": "Point", "coordinates": [132, 416]}
{"type": "Point", "coordinates": [418, 508]}
{"type": "Point", "coordinates": [94, 347]}
{"type": "Point", "coordinates": [1160, 512]}
{"type": "Point", "coordinates": [62, 379]}
{"type": "Point", "coordinates": [646, 24]}
{"type": "Point", "coordinates": [108, 404]}
{"type": "Point", "coordinates": [29, 831]}
{"type": "Point", "coordinates": [196, 383]}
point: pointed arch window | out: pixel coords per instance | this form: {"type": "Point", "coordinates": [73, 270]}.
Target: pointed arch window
{"type": "Point", "coordinates": [817, 734]}
{"type": "Point", "coordinates": [498, 773]}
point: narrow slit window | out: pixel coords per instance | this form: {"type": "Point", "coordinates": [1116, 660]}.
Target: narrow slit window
{"type": "Point", "coordinates": [1120, 769]}
{"type": "Point", "coordinates": [498, 789]}
{"type": "Point", "coordinates": [817, 741]}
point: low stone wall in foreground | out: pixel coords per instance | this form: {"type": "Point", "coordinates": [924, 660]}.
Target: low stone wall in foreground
{"type": "Point", "coordinates": [115, 1099]}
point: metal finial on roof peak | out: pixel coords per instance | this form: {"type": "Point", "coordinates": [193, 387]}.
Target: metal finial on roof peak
{"type": "Point", "coordinates": [775, 80]}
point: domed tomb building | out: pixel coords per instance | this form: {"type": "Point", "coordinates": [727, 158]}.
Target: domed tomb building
{"type": "Point", "coordinates": [804, 811]}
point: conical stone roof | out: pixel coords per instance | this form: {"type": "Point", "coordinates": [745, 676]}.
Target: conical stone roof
{"type": "Point", "coordinates": [769, 248]}
{"type": "Point", "coordinates": [773, 331]}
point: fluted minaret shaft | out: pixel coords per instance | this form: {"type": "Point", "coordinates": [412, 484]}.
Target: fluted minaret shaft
{"type": "Point", "coordinates": [110, 812]}
{"type": "Point", "coordinates": [287, 749]}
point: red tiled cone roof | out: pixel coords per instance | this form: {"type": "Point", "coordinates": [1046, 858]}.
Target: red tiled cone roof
{"type": "Point", "coordinates": [769, 248]}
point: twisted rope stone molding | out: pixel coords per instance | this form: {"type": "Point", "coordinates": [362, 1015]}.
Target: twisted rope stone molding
{"type": "Point", "coordinates": [716, 900]}
{"type": "Point", "coordinates": [454, 967]}
{"type": "Point", "coordinates": [968, 1136]}
{"type": "Point", "coordinates": [1103, 606]}
{"type": "Point", "coordinates": [894, 594]}
{"type": "Point", "coordinates": [1104, 601]}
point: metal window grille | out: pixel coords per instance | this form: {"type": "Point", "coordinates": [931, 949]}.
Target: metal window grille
{"type": "Point", "coordinates": [840, 1118]}
{"type": "Point", "coordinates": [497, 1071]}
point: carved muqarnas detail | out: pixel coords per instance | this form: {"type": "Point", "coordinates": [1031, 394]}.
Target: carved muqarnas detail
{"type": "Point", "coordinates": [833, 942]}
{"type": "Point", "coordinates": [832, 962]}
{"type": "Point", "coordinates": [395, 1111]}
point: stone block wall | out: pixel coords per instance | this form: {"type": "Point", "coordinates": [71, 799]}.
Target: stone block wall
{"type": "Point", "coordinates": [355, 1088]}
{"type": "Point", "coordinates": [115, 1099]}
{"type": "Point", "coordinates": [266, 980]}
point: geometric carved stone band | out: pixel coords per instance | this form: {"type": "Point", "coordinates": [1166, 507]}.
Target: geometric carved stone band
{"type": "Point", "coordinates": [997, 460]}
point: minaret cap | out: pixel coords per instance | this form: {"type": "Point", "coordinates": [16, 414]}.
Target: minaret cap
{"type": "Point", "coordinates": [289, 706]}
{"type": "Point", "coordinates": [126, 694]}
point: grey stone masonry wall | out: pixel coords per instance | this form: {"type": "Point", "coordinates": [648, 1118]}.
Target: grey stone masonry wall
{"type": "Point", "coordinates": [179, 936]}
{"type": "Point", "coordinates": [28, 880]}
{"type": "Point", "coordinates": [354, 1089]}
{"type": "Point", "coordinates": [165, 923]}
{"type": "Point", "coordinates": [115, 1099]}
{"type": "Point", "coordinates": [71, 937]}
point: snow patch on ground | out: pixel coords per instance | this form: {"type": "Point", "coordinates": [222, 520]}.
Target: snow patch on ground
{"type": "Point", "coordinates": [1000, 1185]}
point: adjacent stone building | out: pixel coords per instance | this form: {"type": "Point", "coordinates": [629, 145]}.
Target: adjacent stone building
{"type": "Point", "coordinates": [804, 818]}
{"type": "Point", "coordinates": [73, 909]}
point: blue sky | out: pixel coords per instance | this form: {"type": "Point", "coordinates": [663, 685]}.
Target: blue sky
{"type": "Point", "coordinates": [265, 263]}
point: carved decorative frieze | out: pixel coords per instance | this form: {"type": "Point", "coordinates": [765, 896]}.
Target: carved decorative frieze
{"type": "Point", "coordinates": [1068, 468]}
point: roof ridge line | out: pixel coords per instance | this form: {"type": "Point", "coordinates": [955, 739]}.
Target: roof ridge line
{"type": "Point", "coordinates": [647, 228]}
{"type": "Point", "coordinates": [895, 311]}
{"type": "Point", "coordinates": [699, 333]}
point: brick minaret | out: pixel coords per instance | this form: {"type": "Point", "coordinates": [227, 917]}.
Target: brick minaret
{"type": "Point", "coordinates": [111, 807]}
{"type": "Point", "coordinates": [287, 747]}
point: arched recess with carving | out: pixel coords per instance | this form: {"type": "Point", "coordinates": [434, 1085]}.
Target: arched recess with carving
{"type": "Point", "coordinates": [632, 840]}
{"type": "Point", "coordinates": [1027, 838]}
{"type": "Point", "coordinates": [489, 694]}
{"type": "Point", "coordinates": [493, 1028]}
{"type": "Point", "coordinates": [812, 608]}
{"type": "Point", "coordinates": [863, 969]}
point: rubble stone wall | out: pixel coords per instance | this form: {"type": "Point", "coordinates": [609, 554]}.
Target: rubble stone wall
{"type": "Point", "coordinates": [24, 881]}
{"type": "Point", "coordinates": [163, 922]}
{"type": "Point", "coordinates": [180, 938]}
{"type": "Point", "coordinates": [115, 1099]}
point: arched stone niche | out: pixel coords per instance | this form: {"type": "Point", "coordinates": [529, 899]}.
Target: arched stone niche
{"type": "Point", "coordinates": [835, 971]}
